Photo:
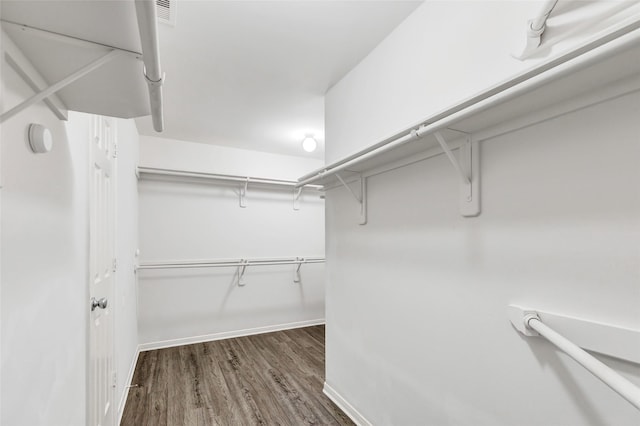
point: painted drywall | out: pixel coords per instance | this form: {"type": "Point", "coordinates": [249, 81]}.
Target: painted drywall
{"type": "Point", "coordinates": [188, 220]}
{"type": "Point", "coordinates": [2, 106]}
{"type": "Point", "coordinates": [44, 261]}
{"type": "Point", "coordinates": [444, 53]}
{"type": "Point", "coordinates": [126, 322]}
{"type": "Point", "coordinates": [44, 267]}
{"type": "Point", "coordinates": [417, 331]}
{"type": "Point", "coordinates": [191, 156]}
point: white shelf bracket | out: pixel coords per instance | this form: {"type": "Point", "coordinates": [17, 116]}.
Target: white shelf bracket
{"type": "Point", "coordinates": [45, 93]}
{"type": "Point", "coordinates": [361, 199]}
{"type": "Point", "coordinates": [30, 75]}
{"type": "Point", "coordinates": [296, 274]}
{"type": "Point", "coordinates": [464, 176]}
{"type": "Point", "coordinates": [240, 272]}
{"type": "Point", "coordinates": [468, 168]}
{"type": "Point", "coordinates": [297, 192]}
{"type": "Point", "coordinates": [243, 194]}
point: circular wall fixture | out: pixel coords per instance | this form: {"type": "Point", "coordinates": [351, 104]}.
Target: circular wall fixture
{"type": "Point", "coordinates": [40, 139]}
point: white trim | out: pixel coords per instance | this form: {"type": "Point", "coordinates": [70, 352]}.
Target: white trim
{"type": "Point", "coordinates": [227, 335]}
{"type": "Point", "coordinates": [125, 393]}
{"type": "Point", "coordinates": [347, 408]}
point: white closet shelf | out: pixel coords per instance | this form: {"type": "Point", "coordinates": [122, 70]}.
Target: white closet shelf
{"type": "Point", "coordinates": [242, 181]}
{"type": "Point", "coordinates": [561, 85]}
{"type": "Point", "coordinates": [225, 263]}
{"type": "Point", "coordinates": [146, 172]}
{"type": "Point", "coordinates": [56, 39]}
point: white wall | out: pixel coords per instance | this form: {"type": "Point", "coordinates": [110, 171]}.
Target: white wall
{"type": "Point", "coordinates": [185, 221]}
{"type": "Point", "coordinates": [417, 331]}
{"type": "Point", "coordinates": [44, 267]}
{"type": "Point", "coordinates": [44, 237]}
{"type": "Point", "coordinates": [416, 299]}
{"type": "Point", "coordinates": [445, 52]}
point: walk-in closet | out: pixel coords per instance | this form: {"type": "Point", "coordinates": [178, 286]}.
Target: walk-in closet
{"type": "Point", "coordinates": [324, 212]}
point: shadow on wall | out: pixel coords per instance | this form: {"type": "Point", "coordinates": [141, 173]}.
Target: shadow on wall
{"type": "Point", "coordinates": [571, 18]}
{"type": "Point", "coordinates": [550, 357]}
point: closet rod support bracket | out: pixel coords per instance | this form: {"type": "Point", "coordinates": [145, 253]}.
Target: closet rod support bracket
{"type": "Point", "coordinates": [360, 199]}
{"type": "Point", "coordinates": [470, 190]}
{"type": "Point", "coordinates": [243, 194]}
{"type": "Point", "coordinates": [519, 318]}
{"type": "Point", "coordinates": [297, 192]}
{"type": "Point", "coordinates": [467, 166]}
{"type": "Point", "coordinates": [296, 274]}
{"type": "Point", "coordinates": [30, 75]}
{"type": "Point", "coordinates": [240, 273]}
{"type": "Point", "coordinates": [52, 89]}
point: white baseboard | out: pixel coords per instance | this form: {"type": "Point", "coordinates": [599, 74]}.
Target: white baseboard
{"type": "Point", "coordinates": [348, 409]}
{"type": "Point", "coordinates": [125, 394]}
{"type": "Point", "coordinates": [226, 335]}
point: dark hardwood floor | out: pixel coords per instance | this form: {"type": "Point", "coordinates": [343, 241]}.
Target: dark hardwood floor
{"type": "Point", "coordinates": [266, 379]}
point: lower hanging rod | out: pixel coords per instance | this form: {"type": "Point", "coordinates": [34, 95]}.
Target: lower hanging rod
{"type": "Point", "coordinates": [533, 325]}
{"type": "Point", "coordinates": [228, 263]}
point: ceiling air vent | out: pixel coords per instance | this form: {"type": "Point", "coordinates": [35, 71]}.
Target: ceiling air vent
{"type": "Point", "coordinates": [166, 11]}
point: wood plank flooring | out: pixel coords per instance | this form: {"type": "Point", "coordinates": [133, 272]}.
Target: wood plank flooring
{"type": "Point", "coordinates": [266, 379]}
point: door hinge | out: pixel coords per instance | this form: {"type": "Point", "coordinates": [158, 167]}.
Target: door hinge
{"type": "Point", "coordinates": [115, 264]}
{"type": "Point", "coordinates": [114, 379]}
{"type": "Point", "coordinates": [115, 150]}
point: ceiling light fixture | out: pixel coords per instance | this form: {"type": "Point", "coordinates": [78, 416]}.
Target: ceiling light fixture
{"type": "Point", "coordinates": [309, 143]}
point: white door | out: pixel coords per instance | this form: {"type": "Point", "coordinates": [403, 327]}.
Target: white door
{"type": "Point", "coordinates": [101, 270]}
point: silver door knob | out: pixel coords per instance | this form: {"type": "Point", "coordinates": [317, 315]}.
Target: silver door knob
{"type": "Point", "coordinates": [101, 303]}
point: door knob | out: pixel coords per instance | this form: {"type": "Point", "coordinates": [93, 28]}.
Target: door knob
{"type": "Point", "coordinates": [98, 303]}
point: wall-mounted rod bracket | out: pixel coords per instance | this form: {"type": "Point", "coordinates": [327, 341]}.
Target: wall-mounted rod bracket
{"type": "Point", "coordinates": [243, 193]}
{"type": "Point", "coordinates": [296, 274]}
{"type": "Point", "coordinates": [530, 323]}
{"type": "Point", "coordinates": [360, 199]}
{"type": "Point", "coordinates": [240, 273]}
{"type": "Point", "coordinates": [535, 28]}
{"type": "Point", "coordinates": [467, 166]}
{"type": "Point", "coordinates": [464, 174]}
{"type": "Point", "coordinates": [297, 192]}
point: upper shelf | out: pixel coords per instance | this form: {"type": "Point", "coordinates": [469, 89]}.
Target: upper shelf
{"type": "Point", "coordinates": [149, 172]}
{"type": "Point", "coordinates": [556, 87]}
{"type": "Point", "coordinates": [60, 37]}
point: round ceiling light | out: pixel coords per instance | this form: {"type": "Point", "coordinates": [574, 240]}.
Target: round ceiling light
{"type": "Point", "coordinates": [309, 144]}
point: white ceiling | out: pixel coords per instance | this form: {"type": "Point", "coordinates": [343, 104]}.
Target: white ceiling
{"type": "Point", "coordinates": [252, 74]}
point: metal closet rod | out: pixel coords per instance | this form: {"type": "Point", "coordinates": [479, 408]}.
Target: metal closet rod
{"type": "Point", "coordinates": [528, 81]}
{"type": "Point", "coordinates": [228, 263]}
{"type": "Point", "coordinates": [148, 28]}
{"type": "Point", "coordinates": [615, 381]}
{"type": "Point", "coordinates": [230, 178]}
